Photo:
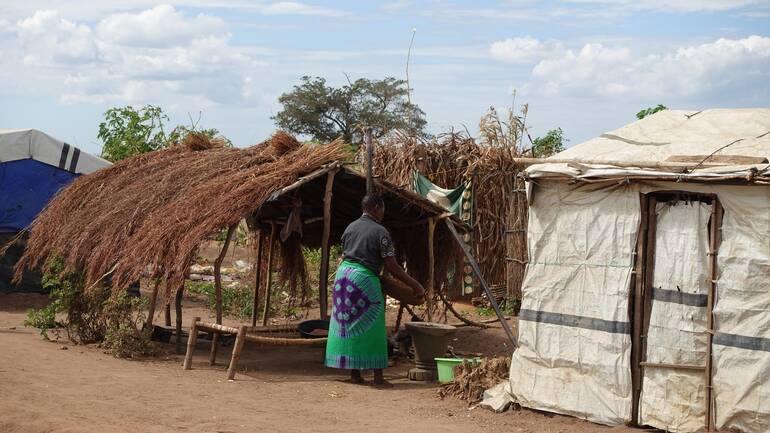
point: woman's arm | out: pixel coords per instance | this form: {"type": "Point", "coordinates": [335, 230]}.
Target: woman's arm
{"type": "Point", "coordinates": [397, 271]}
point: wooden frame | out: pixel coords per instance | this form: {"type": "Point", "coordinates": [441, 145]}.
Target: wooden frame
{"type": "Point", "coordinates": [644, 268]}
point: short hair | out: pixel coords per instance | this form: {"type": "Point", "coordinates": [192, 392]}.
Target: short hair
{"type": "Point", "coordinates": [372, 202]}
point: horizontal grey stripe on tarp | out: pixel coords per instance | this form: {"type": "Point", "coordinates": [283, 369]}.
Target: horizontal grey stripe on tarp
{"type": "Point", "coordinates": [677, 297]}
{"type": "Point", "coordinates": [742, 341]}
{"type": "Point", "coordinates": [575, 321]}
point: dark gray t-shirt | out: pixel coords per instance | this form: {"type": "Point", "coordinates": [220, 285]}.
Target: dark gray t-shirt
{"type": "Point", "coordinates": [367, 242]}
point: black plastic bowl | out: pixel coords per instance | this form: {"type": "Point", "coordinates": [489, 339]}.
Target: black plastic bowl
{"type": "Point", "coordinates": [305, 328]}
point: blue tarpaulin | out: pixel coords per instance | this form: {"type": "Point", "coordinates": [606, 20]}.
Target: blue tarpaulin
{"type": "Point", "coordinates": [26, 186]}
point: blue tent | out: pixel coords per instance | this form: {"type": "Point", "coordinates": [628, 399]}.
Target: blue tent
{"type": "Point", "coordinates": [33, 168]}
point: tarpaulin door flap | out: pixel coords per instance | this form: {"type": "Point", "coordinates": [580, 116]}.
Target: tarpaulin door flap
{"type": "Point", "coordinates": [574, 330]}
{"type": "Point", "coordinates": [674, 399]}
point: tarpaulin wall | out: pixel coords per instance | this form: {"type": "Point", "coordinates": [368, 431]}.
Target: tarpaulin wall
{"type": "Point", "coordinates": [574, 330]}
{"type": "Point", "coordinates": [26, 186]}
{"type": "Point", "coordinates": [741, 345]}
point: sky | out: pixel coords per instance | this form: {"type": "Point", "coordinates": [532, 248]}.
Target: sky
{"type": "Point", "coordinates": [586, 66]}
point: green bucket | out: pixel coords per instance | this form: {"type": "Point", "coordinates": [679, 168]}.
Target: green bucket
{"type": "Point", "coordinates": [446, 367]}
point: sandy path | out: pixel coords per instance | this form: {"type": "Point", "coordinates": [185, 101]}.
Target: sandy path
{"type": "Point", "coordinates": [44, 388]}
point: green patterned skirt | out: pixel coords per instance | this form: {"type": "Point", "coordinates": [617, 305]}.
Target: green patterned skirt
{"type": "Point", "coordinates": [357, 338]}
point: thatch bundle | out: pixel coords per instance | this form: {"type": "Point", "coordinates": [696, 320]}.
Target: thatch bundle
{"type": "Point", "coordinates": [471, 380]}
{"type": "Point", "coordinates": [499, 231]}
{"type": "Point", "coordinates": [152, 211]}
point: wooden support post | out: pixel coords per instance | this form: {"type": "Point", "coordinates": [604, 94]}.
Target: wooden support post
{"type": "Point", "coordinates": [430, 289]}
{"type": "Point", "coordinates": [167, 310]}
{"type": "Point", "coordinates": [649, 273]}
{"type": "Point", "coordinates": [153, 302]}
{"type": "Point", "coordinates": [323, 279]}
{"type": "Point", "coordinates": [178, 311]}
{"type": "Point", "coordinates": [237, 348]}
{"type": "Point", "coordinates": [214, 348]}
{"type": "Point", "coordinates": [715, 239]}
{"type": "Point", "coordinates": [638, 294]}
{"type": "Point", "coordinates": [269, 279]}
{"type": "Point", "coordinates": [191, 341]}
{"type": "Point", "coordinates": [257, 279]}
{"type": "Point", "coordinates": [218, 271]}
{"type": "Point", "coordinates": [369, 157]}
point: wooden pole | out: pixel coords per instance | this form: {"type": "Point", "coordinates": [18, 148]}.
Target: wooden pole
{"type": "Point", "coordinates": [475, 265]}
{"type": "Point", "coordinates": [214, 348]}
{"type": "Point", "coordinates": [178, 311]}
{"type": "Point", "coordinates": [257, 279]}
{"type": "Point", "coordinates": [239, 340]}
{"type": "Point", "coordinates": [323, 279]}
{"type": "Point", "coordinates": [431, 269]}
{"type": "Point", "coordinates": [167, 310]}
{"type": "Point", "coordinates": [369, 157]}
{"type": "Point", "coordinates": [638, 294]}
{"type": "Point", "coordinates": [218, 271]}
{"type": "Point", "coordinates": [714, 242]}
{"type": "Point", "coordinates": [191, 341]}
{"type": "Point", "coordinates": [269, 279]}
{"type": "Point", "coordinates": [218, 291]}
{"type": "Point", "coordinates": [153, 302]}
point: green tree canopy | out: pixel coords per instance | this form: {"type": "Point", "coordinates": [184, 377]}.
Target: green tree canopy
{"type": "Point", "coordinates": [325, 112]}
{"type": "Point", "coordinates": [126, 132]}
{"type": "Point", "coordinates": [551, 143]}
{"type": "Point", "coordinates": [650, 110]}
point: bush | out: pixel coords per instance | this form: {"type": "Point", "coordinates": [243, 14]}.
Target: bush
{"type": "Point", "coordinates": [96, 315]}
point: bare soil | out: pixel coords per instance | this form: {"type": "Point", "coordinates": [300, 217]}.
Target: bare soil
{"type": "Point", "coordinates": [60, 387]}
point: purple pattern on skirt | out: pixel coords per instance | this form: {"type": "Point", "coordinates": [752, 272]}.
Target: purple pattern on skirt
{"type": "Point", "coordinates": [350, 303]}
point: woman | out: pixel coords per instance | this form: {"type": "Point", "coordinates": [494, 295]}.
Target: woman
{"type": "Point", "coordinates": [357, 339]}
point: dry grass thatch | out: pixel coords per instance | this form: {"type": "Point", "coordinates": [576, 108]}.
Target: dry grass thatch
{"type": "Point", "coordinates": [500, 208]}
{"type": "Point", "coordinates": [150, 212]}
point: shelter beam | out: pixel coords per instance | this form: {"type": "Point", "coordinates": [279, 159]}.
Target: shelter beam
{"type": "Point", "coordinates": [323, 281]}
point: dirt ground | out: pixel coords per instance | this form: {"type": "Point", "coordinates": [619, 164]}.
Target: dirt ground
{"type": "Point", "coordinates": [59, 387]}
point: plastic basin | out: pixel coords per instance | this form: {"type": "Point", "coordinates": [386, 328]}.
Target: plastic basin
{"type": "Point", "coordinates": [446, 367]}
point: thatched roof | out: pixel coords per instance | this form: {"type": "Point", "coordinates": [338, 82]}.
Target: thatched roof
{"type": "Point", "coordinates": [152, 211]}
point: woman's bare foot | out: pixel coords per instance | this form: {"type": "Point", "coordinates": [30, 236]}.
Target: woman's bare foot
{"type": "Point", "coordinates": [379, 379]}
{"type": "Point", "coordinates": [355, 377]}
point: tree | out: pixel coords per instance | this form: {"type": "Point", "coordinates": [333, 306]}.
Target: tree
{"type": "Point", "coordinates": [325, 113]}
{"type": "Point", "coordinates": [551, 143]}
{"type": "Point", "coordinates": [650, 110]}
{"type": "Point", "coordinates": [126, 132]}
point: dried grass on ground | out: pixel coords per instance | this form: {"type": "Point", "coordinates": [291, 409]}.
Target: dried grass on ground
{"type": "Point", "coordinates": [472, 380]}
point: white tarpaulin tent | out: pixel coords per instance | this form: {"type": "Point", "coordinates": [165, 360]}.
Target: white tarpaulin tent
{"type": "Point", "coordinates": [33, 168]}
{"type": "Point", "coordinates": [647, 293]}
{"type": "Point", "coordinates": [18, 144]}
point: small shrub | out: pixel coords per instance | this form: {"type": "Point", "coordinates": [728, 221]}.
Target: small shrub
{"type": "Point", "coordinates": [96, 315]}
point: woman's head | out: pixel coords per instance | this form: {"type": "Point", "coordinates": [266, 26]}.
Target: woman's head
{"type": "Point", "coordinates": [374, 206]}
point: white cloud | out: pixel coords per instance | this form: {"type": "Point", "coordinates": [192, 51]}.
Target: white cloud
{"type": "Point", "coordinates": [523, 50]}
{"type": "Point", "coordinates": [740, 67]}
{"type": "Point", "coordinates": [159, 26]}
{"type": "Point", "coordinates": [145, 56]}
{"type": "Point", "coordinates": [47, 38]}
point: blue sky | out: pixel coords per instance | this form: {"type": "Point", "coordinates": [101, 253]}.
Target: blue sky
{"type": "Point", "coordinates": [586, 66]}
